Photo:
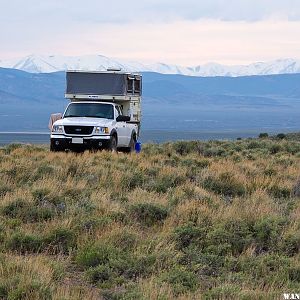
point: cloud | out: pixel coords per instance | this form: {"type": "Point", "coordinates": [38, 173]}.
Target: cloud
{"type": "Point", "coordinates": [115, 11]}
{"type": "Point", "coordinates": [182, 42]}
{"type": "Point", "coordinates": [185, 32]}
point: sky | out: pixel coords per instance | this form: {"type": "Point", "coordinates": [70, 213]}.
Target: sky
{"type": "Point", "coordinates": [188, 33]}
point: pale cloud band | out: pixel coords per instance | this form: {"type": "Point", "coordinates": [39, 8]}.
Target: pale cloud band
{"type": "Point", "coordinates": [182, 32]}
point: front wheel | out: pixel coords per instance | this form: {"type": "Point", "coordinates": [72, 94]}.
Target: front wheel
{"type": "Point", "coordinates": [113, 144]}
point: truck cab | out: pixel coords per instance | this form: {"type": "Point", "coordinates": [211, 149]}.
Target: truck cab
{"type": "Point", "coordinates": [104, 112]}
{"type": "Point", "coordinates": [93, 125]}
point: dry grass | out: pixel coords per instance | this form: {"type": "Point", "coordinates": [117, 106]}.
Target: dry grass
{"type": "Point", "coordinates": [185, 220]}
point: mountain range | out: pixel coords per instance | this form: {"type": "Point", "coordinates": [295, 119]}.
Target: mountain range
{"type": "Point", "coordinates": [55, 63]}
{"type": "Point", "coordinates": [170, 102]}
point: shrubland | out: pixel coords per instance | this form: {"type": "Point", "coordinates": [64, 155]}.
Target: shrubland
{"type": "Point", "coordinates": [181, 220]}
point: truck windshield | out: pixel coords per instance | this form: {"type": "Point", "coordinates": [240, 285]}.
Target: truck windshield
{"type": "Point", "coordinates": [90, 110]}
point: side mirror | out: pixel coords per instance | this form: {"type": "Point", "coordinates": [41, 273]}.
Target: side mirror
{"type": "Point", "coordinates": [123, 119]}
{"type": "Point", "coordinates": [53, 118]}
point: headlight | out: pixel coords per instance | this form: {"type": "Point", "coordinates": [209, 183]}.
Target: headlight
{"type": "Point", "coordinates": [101, 129]}
{"type": "Point", "coordinates": [57, 128]}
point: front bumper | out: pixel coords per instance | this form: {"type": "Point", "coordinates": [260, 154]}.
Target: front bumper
{"type": "Point", "coordinates": [62, 142]}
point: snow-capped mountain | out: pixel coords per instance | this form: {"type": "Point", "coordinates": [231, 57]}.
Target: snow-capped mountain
{"type": "Point", "coordinates": [54, 63]}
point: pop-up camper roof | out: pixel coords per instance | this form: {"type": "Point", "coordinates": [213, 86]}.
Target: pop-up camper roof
{"type": "Point", "coordinates": [100, 85]}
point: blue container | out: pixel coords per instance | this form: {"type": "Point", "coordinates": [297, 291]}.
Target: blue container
{"type": "Point", "coordinates": [138, 147]}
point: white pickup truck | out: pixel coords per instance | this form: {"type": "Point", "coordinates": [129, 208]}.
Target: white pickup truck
{"type": "Point", "coordinates": [104, 112]}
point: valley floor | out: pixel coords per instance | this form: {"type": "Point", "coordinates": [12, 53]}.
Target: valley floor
{"type": "Point", "coordinates": [182, 220]}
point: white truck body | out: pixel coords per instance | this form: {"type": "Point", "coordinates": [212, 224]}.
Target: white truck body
{"type": "Point", "coordinates": [104, 112]}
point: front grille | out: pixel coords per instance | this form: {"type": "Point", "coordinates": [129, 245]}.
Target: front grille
{"type": "Point", "coordinates": [80, 130]}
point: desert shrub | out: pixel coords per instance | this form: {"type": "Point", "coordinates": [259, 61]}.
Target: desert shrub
{"type": "Point", "coordinates": [183, 147]}
{"type": "Point", "coordinates": [263, 135]}
{"type": "Point", "coordinates": [296, 189]}
{"type": "Point", "coordinates": [124, 240]}
{"type": "Point", "coordinates": [275, 148]}
{"type": "Point", "coordinates": [189, 234]}
{"type": "Point", "coordinates": [189, 162]}
{"type": "Point", "coordinates": [225, 185]}
{"type": "Point", "coordinates": [266, 269]}
{"type": "Point", "coordinates": [131, 180]}
{"type": "Point", "coordinates": [204, 264]}
{"type": "Point", "coordinates": [254, 145]}
{"type": "Point", "coordinates": [292, 148]}
{"type": "Point", "coordinates": [269, 172]}
{"type": "Point", "coordinates": [267, 233]}
{"type": "Point", "coordinates": [214, 152]}
{"type": "Point", "coordinates": [27, 212]}
{"type": "Point", "coordinates": [147, 213]}
{"type": "Point", "coordinates": [42, 170]}
{"type": "Point", "coordinates": [231, 237]}
{"type": "Point", "coordinates": [163, 183]}
{"type": "Point", "coordinates": [4, 189]}
{"type": "Point", "coordinates": [294, 274]}
{"type": "Point", "coordinates": [24, 243]}
{"type": "Point", "coordinates": [92, 223]}
{"type": "Point", "coordinates": [94, 255]}
{"type": "Point", "coordinates": [226, 291]}
{"type": "Point", "coordinates": [19, 281]}
{"type": "Point", "coordinates": [16, 289]}
{"type": "Point", "coordinates": [182, 281]}
{"type": "Point", "coordinates": [99, 274]}
{"type": "Point", "coordinates": [281, 136]}
{"type": "Point", "coordinates": [60, 240]}
{"type": "Point", "coordinates": [278, 191]}
{"type": "Point", "coordinates": [291, 244]}
{"type": "Point", "coordinates": [11, 147]}
{"type": "Point", "coordinates": [108, 265]}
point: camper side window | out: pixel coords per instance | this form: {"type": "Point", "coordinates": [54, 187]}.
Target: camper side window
{"type": "Point", "coordinates": [137, 86]}
{"type": "Point", "coordinates": [130, 86]}
{"type": "Point", "coordinates": [119, 111]}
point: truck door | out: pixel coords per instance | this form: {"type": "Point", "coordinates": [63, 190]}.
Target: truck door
{"type": "Point", "coordinates": [128, 128]}
{"type": "Point", "coordinates": [121, 129]}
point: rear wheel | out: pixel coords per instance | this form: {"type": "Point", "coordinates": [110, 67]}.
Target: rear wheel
{"type": "Point", "coordinates": [131, 146]}
{"type": "Point", "coordinates": [113, 144]}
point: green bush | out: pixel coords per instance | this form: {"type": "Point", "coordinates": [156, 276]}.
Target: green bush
{"type": "Point", "coordinates": [225, 185]}
{"type": "Point", "coordinates": [232, 238]}
{"type": "Point", "coordinates": [94, 255]}
{"type": "Point", "coordinates": [267, 233]}
{"type": "Point", "coordinates": [11, 147]}
{"type": "Point", "coordinates": [4, 189]}
{"type": "Point", "coordinates": [189, 234]}
{"type": "Point", "coordinates": [148, 214]}
{"type": "Point", "coordinates": [279, 191]}
{"type": "Point", "coordinates": [182, 281]}
{"type": "Point", "coordinates": [263, 135]}
{"type": "Point", "coordinates": [227, 291]}
{"type": "Point", "coordinates": [27, 212]}
{"type": "Point", "coordinates": [205, 264]}
{"type": "Point", "coordinates": [23, 243]}
{"type": "Point", "coordinates": [60, 240]}
{"type": "Point", "coordinates": [99, 274]}
{"type": "Point", "coordinates": [268, 268]}
{"type": "Point", "coordinates": [275, 149]}
{"type": "Point", "coordinates": [132, 180]}
{"type": "Point", "coordinates": [281, 136]}
{"type": "Point", "coordinates": [163, 183]}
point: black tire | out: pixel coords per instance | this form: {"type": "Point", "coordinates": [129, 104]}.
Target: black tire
{"type": "Point", "coordinates": [131, 147]}
{"type": "Point", "coordinates": [54, 148]}
{"type": "Point", "coordinates": [113, 144]}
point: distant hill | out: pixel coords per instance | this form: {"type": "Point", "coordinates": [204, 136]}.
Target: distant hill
{"type": "Point", "coordinates": [168, 100]}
